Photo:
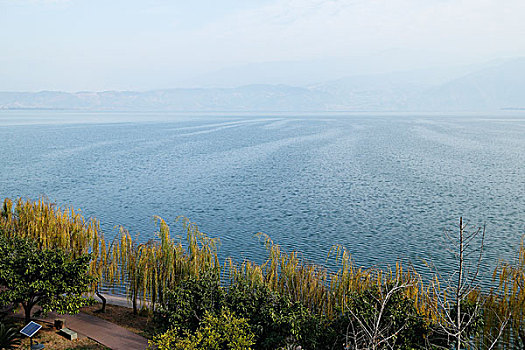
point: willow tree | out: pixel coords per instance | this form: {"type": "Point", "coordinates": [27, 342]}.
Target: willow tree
{"type": "Point", "coordinates": [148, 270]}
{"type": "Point", "coordinates": [508, 304]}
{"type": "Point", "coordinates": [132, 263]}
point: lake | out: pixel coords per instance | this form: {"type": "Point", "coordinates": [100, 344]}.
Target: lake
{"type": "Point", "coordinates": [384, 186]}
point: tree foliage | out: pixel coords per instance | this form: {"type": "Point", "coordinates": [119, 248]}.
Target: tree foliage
{"type": "Point", "coordinates": [286, 299]}
{"type": "Point", "coordinates": [187, 303]}
{"type": "Point", "coordinates": [276, 320]}
{"type": "Point", "coordinates": [51, 227]}
{"type": "Point", "coordinates": [223, 331]}
{"type": "Point", "coordinates": [48, 277]}
{"type": "Point", "coordinates": [152, 268]}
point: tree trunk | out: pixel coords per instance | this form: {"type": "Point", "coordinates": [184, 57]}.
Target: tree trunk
{"type": "Point", "coordinates": [27, 312]}
{"type": "Point", "coordinates": [103, 309]}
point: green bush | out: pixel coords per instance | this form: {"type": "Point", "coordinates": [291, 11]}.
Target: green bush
{"type": "Point", "coordinates": [398, 326]}
{"type": "Point", "coordinates": [275, 320]}
{"type": "Point", "coordinates": [216, 332]}
{"type": "Point", "coordinates": [185, 306]}
{"type": "Point", "coordinates": [472, 327]}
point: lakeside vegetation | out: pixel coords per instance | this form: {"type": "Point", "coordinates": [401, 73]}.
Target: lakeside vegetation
{"type": "Point", "coordinates": [201, 302]}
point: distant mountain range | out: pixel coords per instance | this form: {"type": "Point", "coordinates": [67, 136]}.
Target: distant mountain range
{"type": "Point", "coordinates": [498, 86]}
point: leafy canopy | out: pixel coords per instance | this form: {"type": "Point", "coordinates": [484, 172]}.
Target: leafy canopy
{"type": "Point", "coordinates": [50, 278]}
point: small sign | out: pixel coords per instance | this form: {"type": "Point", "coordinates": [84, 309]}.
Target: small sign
{"type": "Point", "coordinates": [30, 329]}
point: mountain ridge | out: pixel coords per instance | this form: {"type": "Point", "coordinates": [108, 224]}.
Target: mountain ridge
{"type": "Point", "coordinates": [500, 86]}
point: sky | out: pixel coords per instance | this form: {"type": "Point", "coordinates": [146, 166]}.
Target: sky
{"type": "Point", "coordinates": [78, 45]}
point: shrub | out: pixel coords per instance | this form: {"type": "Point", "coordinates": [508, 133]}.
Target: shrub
{"type": "Point", "coordinates": [185, 305]}
{"type": "Point", "coordinates": [472, 325]}
{"type": "Point", "coordinates": [370, 318]}
{"type": "Point", "coordinates": [275, 320]}
{"type": "Point", "coordinates": [9, 337]}
{"type": "Point", "coordinates": [216, 332]}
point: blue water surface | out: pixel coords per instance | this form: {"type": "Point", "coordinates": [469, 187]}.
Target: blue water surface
{"type": "Point", "coordinates": [384, 186]}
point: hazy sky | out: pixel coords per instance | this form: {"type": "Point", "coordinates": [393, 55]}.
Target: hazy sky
{"type": "Point", "coordinates": [100, 45]}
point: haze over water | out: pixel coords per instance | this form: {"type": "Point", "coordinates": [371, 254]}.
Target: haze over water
{"type": "Point", "coordinates": [384, 186]}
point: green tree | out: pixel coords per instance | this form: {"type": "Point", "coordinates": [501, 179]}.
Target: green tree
{"type": "Point", "coordinates": [49, 278]}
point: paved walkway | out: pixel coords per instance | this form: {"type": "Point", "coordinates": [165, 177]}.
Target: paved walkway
{"type": "Point", "coordinates": [102, 331]}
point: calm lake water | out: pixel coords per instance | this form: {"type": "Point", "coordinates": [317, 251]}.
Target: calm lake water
{"type": "Point", "coordinates": [384, 186]}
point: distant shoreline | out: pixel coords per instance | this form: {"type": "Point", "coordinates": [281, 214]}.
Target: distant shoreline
{"type": "Point", "coordinates": [255, 112]}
